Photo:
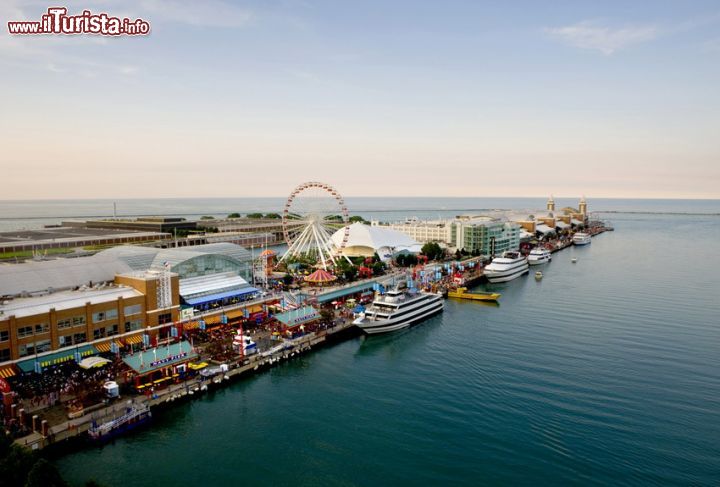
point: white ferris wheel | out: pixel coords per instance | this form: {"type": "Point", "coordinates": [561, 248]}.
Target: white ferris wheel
{"type": "Point", "coordinates": [313, 212]}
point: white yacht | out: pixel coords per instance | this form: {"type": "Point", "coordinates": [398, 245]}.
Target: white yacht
{"type": "Point", "coordinates": [538, 256]}
{"type": "Point", "coordinates": [581, 238]}
{"type": "Point", "coordinates": [506, 268]}
{"type": "Point", "coordinates": [398, 309]}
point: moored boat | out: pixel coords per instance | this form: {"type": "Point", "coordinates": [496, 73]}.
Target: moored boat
{"type": "Point", "coordinates": [581, 238]}
{"type": "Point", "coordinates": [462, 293]}
{"type": "Point", "coordinates": [539, 255]}
{"type": "Point", "coordinates": [506, 268]}
{"type": "Point", "coordinates": [398, 309]}
{"type": "Point", "coordinates": [135, 415]}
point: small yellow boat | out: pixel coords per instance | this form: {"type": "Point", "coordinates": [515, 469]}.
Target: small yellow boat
{"type": "Point", "coordinates": [463, 293]}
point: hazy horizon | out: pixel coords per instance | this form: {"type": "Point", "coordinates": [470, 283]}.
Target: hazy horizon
{"type": "Point", "coordinates": [435, 99]}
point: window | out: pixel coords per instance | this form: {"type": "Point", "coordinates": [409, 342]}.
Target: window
{"type": "Point", "coordinates": [112, 330]}
{"type": "Point", "coordinates": [42, 346]}
{"type": "Point", "coordinates": [133, 309]}
{"type": "Point", "coordinates": [67, 340]}
{"type": "Point", "coordinates": [78, 321]}
{"type": "Point", "coordinates": [164, 318]}
{"type": "Point", "coordinates": [99, 316]}
{"type": "Point", "coordinates": [26, 349]}
{"type": "Point", "coordinates": [111, 314]}
{"type": "Point", "coordinates": [42, 328]}
{"type": "Point", "coordinates": [4, 336]}
{"type": "Point", "coordinates": [25, 331]}
{"type": "Point", "coordinates": [66, 323]}
{"type": "Point", "coordinates": [133, 325]}
{"type": "Point", "coordinates": [4, 354]}
{"type": "Point", "coordinates": [99, 333]}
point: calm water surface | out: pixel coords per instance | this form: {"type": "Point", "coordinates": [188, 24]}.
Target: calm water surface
{"type": "Point", "coordinates": [606, 372]}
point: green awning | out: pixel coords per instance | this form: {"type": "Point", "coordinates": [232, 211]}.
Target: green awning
{"type": "Point", "coordinates": [162, 356]}
{"type": "Point", "coordinates": [56, 358]}
{"type": "Point", "coordinates": [298, 316]}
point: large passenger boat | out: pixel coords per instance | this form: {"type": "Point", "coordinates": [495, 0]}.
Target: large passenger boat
{"type": "Point", "coordinates": [506, 268]}
{"type": "Point", "coordinates": [581, 238]}
{"type": "Point", "coordinates": [398, 309]}
{"type": "Point", "coordinates": [538, 256]}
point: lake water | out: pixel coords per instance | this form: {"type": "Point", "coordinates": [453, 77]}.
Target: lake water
{"type": "Point", "coordinates": [605, 372]}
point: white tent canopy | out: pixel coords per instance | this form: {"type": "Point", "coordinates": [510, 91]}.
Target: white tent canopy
{"type": "Point", "coordinates": [576, 222]}
{"type": "Point", "coordinates": [366, 240]}
{"type": "Point", "coordinates": [561, 225]}
{"type": "Point", "coordinates": [544, 229]}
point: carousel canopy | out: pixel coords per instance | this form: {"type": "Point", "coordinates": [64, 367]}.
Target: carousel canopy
{"type": "Point", "coordinates": [267, 253]}
{"type": "Point", "coordinates": [320, 276]}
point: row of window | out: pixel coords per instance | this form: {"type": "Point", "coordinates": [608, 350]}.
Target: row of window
{"type": "Point", "coordinates": [67, 340]}
{"type": "Point", "coordinates": [71, 322]}
{"type": "Point", "coordinates": [33, 348]}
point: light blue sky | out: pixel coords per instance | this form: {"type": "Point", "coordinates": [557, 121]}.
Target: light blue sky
{"type": "Point", "coordinates": [404, 98]}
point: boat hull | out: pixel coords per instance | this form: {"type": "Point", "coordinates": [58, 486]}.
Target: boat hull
{"type": "Point", "coordinates": [474, 296]}
{"type": "Point", "coordinates": [507, 276]}
{"type": "Point", "coordinates": [539, 261]}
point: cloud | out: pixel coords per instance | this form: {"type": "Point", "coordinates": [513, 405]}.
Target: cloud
{"type": "Point", "coordinates": [591, 35]}
{"type": "Point", "coordinates": [208, 13]}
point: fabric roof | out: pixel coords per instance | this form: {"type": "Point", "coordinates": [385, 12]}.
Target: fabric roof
{"type": "Point", "coordinates": [157, 358]}
{"type": "Point", "coordinates": [561, 225]}
{"type": "Point", "coordinates": [320, 276]}
{"type": "Point", "coordinates": [215, 297]}
{"type": "Point", "coordinates": [376, 237]}
{"type": "Point", "coordinates": [576, 222]}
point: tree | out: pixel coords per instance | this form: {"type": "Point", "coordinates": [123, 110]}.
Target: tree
{"type": "Point", "coordinates": [255, 215]}
{"type": "Point", "coordinates": [378, 268]}
{"type": "Point", "coordinates": [273, 216]}
{"type": "Point", "coordinates": [207, 217]}
{"type": "Point", "coordinates": [358, 219]}
{"type": "Point", "coordinates": [287, 279]}
{"type": "Point", "coordinates": [44, 474]}
{"type": "Point", "coordinates": [234, 215]}
{"type": "Point", "coordinates": [432, 250]}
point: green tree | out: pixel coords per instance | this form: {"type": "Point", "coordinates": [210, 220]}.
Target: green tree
{"type": "Point", "coordinates": [273, 216]}
{"type": "Point", "coordinates": [432, 250]}
{"type": "Point", "coordinates": [234, 215]}
{"type": "Point", "coordinates": [44, 474]}
{"type": "Point", "coordinates": [207, 217]}
{"type": "Point", "coordinates": [378, 268]}
{"type": "Point", "coordinates": [358, 219]}
{"type": "Point", "coordinates": [255, 215]}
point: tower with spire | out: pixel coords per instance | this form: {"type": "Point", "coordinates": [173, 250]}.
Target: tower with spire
{"type": "Point", "coordinates": [582, 207]}
{"type": "Point", "coordinates": [551, 204]}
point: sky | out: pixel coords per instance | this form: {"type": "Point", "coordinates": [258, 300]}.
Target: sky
{"type": "Point", "coordinates": [378, 98]}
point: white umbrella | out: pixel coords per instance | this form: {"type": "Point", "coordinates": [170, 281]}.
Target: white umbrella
{"type": "Point", "coordinates": [90, 362]}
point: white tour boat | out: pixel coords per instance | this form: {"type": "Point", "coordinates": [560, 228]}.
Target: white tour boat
{"type": "Point", "coordinates": [506, 268]}
{"type": "Point", "coordinates": [539, 255]}
{"type": "Point", "coordinates": [581, 238]}
{"type": "Point", "coordinates": [398, 309]}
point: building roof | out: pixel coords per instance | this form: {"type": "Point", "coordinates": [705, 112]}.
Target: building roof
{"type": "Point", "coordinates": [298, 316]}
{"type": "Point", "coordinates": [193, 287]}
{"type": "Point", "coordinates": [542, 228]}
{"type": "Point", "coordinates": [160, 357]}
{"type": "Point", "coordinates": [375, 237]}
{"type": "Point", "coordinates": [62, 300]}
{"type": "Point", "coordinates": [67, 273]}
{"type": "Point", "coordinates": [39, 276]}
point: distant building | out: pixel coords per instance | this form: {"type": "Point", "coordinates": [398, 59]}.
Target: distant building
{"type": "Point", "coordinates": [487, 236]}
{"type": "Point", "coordinates": [484, 235]}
